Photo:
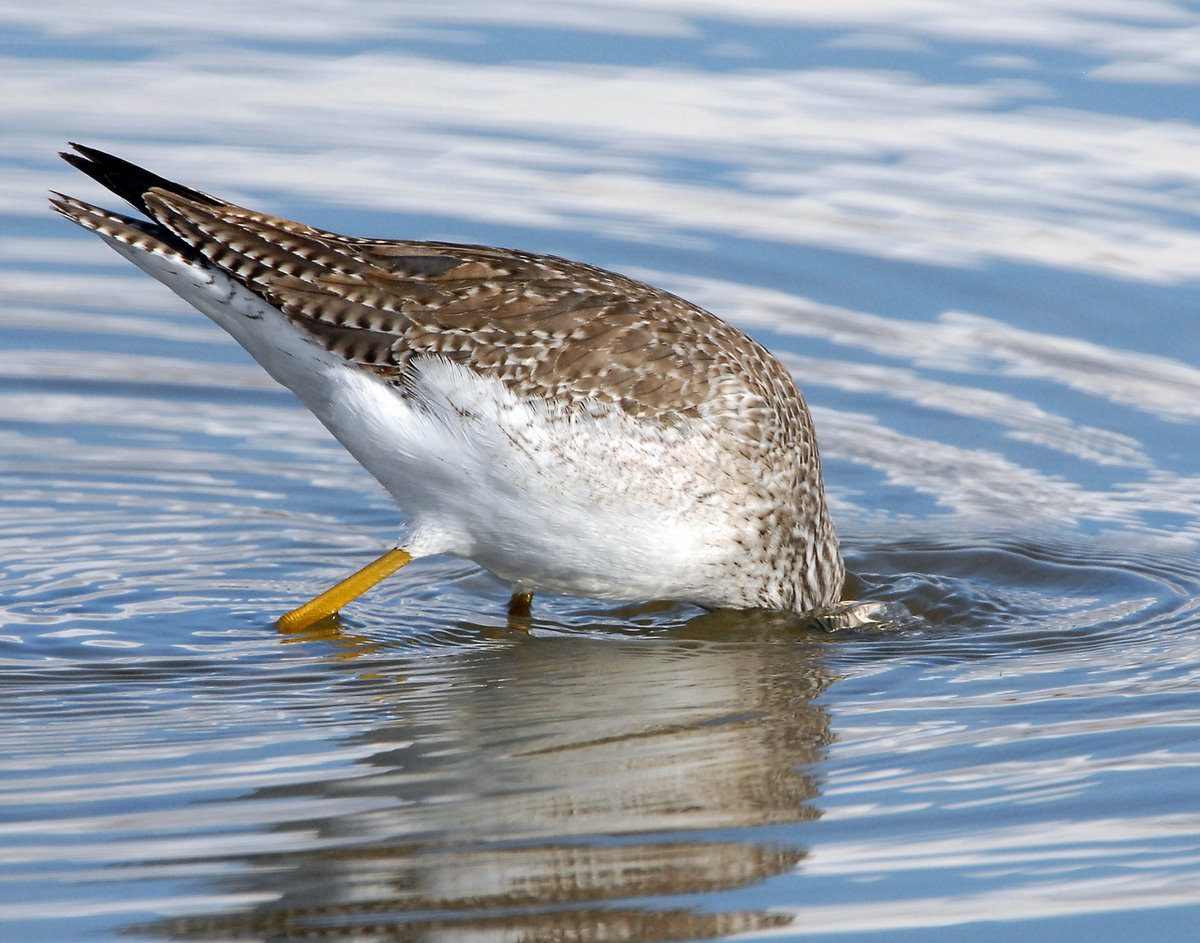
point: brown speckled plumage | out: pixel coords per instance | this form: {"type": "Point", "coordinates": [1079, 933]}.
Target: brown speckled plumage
{"type": "Point", "coordinates": [560, 333]}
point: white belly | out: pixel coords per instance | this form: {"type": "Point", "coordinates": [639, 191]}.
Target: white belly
{"type": "Point", "coordinates": [596, 505]}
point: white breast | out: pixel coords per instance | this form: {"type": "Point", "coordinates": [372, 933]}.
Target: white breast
{"type": "Point", "coordinates": [595, 504]}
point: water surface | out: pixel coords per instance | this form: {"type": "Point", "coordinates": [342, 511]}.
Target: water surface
{"type": "Point", "coordinates": [974, 240]}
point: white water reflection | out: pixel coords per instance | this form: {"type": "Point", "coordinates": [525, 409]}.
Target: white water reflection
{"type": "Point", "coordinates": [874, 161]}
{"type": "Point", "coordinates": [1052, 861]}
{"type": "Point", "coordinates": [970, 344]}
{"type": "Point", "coordinates": [1028, 903]}
{"type": "Point", "coordinates": [971, 231]}
{"type": "Point", "coordinates": [453, 804]}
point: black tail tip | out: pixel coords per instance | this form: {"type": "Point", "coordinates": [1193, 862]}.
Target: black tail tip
{"type": "Point", "coordinates": [128, 181]}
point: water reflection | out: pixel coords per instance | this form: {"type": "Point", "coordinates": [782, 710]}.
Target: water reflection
{"type": "Point", "coordinates": [549, 789]}
{"type": "Point", "coordinates": [973, 239]}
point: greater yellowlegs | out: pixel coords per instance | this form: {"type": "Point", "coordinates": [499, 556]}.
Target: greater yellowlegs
{"type": "Point", "coordinates": [568, 428]}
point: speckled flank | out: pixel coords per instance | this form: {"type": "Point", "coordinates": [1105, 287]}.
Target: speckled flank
{"type": "Point", "coordinates": [559, 333]}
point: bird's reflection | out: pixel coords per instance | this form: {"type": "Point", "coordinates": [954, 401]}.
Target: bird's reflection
{"type": "Point", "coordinates": [562, 788]}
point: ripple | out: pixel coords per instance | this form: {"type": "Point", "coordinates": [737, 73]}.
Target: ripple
{"type": "Point", "coordinates": [978, 594]}
{"type": "Point", "coordinates": [1010, 733]}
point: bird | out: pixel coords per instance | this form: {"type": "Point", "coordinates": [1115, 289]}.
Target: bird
{"type": "Point", "coordinates": [570, 429]}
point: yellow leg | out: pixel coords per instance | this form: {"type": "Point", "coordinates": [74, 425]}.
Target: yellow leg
{"type": "Point", "coordinates": [348, 589]}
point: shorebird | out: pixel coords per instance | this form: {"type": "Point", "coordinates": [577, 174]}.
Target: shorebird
{"type": "Point", "coordinates": [567, 428]}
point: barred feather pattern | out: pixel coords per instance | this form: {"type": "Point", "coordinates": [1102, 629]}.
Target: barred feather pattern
{"type": "Point", "coordinates": [553, 331]}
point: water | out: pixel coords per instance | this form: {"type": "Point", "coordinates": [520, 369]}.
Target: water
{"type": "Point", "coordinates": [975, 241]}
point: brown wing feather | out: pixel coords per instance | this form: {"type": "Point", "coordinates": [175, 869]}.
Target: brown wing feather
{"type": "Point", "coordinates": [547, 327]}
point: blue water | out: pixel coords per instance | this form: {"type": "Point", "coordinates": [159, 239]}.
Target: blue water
{"type": "Point", "coordinates": [974, 239]}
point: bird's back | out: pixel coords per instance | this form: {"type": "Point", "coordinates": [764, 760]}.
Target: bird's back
{"type": "Point", "coordinates": [589, 418]}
